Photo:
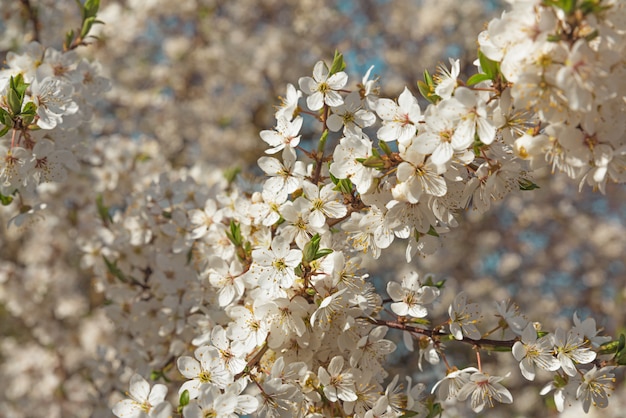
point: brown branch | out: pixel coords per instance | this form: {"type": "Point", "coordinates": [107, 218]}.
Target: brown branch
{"type": "Point", "coordinates": [483, 343]}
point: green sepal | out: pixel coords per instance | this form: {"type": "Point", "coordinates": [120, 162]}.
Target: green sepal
{"type": "Point", "coordinates": [432, 232]}
{"type": "Point", "coordinates": [434, 408]}
{"type": "Point", "coordinates": [337, 65]}
{"type": "Point", "coordinates": [114, 270]}
{"type": "Point", "coordinates": [408, 414]}
{"type": "Point", "coordinates": [429, 282]}
{"type": "Point", "coordinates": [298, 271]}
{"type": "Point", "coordinates": [477, 78]}
{"type": "Point", "coordinates": [568, 6]}
{"type": "Point", "coordinates": [5, 200]}
{"type": "Point", "coordinates": [526, 184]}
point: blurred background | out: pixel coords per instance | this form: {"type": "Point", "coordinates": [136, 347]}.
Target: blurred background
{"type": "Point", "coordinates": [195, 81]}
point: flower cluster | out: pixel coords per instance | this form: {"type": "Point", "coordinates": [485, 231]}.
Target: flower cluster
{"type": "Point", "coordinates": [254, 299]}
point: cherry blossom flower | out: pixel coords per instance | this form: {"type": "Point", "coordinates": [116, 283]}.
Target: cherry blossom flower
{"type": "Point", "coordinates": [483, 389]}
{"type": "Point", "coordinates": [399, 120]}
{"type": "Point", "coordinates": [337, 384]}
{"type": "Point", "coordinates": [410, 296]}
{"type": "Point", "coordinates": [448, 388]}
{"type": "Point", "coordinates": [144, 401]}
{"type": "Point", "coordinates": [286, 134]}
{"type": "Point", "coordinates": [570, 350]}
{"type": "Point", "coordinates": [595, 386]}
{"type": "Point", "coordinates": [350, 116]}
{"type": "Point", "coordinates": [322, 89]}
{"type": "Point", "coordinates": [531, 351]}
{"type": "Point", "coordinates": [463, 318]}
{"type": "Point", "coordinates": [204, 370]}
{"type": "Point", "coordinates": [289, 103]}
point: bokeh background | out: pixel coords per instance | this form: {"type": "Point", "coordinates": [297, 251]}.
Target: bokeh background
{"type": "Point", "coordinates": [193, 82]}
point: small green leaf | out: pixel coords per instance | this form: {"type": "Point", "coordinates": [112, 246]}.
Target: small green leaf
{"type": "Point", "coordinates": [15, 101]}
{"type": "Point", "coordinates": [338, 64]}
{"type": "Point", "coordinates": [103, 211]}
{"type": "Point", "coordinates": [69, 38]}
{"type": "Point", "coordinates": [310, 249]}
{"type": "Point", "coordinates": [526, 184]}
{"type": "Point", "coordinates": [344, 186]}
{"type": "Point", "coordinates": [230, 174]}
{"type": "Point", "coordinates": [489, 67]}
{"type": "Point", "coordinates": [90, 9]}
{"type": "Point", "coordinates": [322, 253]}
{"type": "Point", "coordinates": [4, 131]}
{"type": "Point", "coordinates": [385, 147]}
{"type": "Point", "coordinates": [432, 232]}
{"type": "Point", "coordinates": [184, 398]}
{"type": "Point", "coordinates": [234, 234]}
{"type": "Point", "coordinates": [372, 162]}
{"type": "Point", "coordinates": [114, 270]}
{"type": "Point", "coordinates": [5, 200]}
{"type": "Point", "coordinates": [87, 24]}
{"type": "Point", "coordinates": [322, 143]}
{"type": "Point", "coordinates": [427, 88]}
{"type": "Point", "coordinates": [477, 78]}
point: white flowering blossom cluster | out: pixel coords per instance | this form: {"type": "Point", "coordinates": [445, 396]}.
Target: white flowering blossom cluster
{"type": "Point", "coordinates": [254, 301]}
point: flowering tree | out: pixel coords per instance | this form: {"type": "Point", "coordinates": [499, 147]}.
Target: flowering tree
{"type": "Point", "coordinates": [244, 299]}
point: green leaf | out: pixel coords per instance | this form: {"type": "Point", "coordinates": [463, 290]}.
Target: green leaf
{"type": "Point", "coordinates": [184, 398]}
{"type": "Point", "coordinates": [28, 113]}
{"type": "Point", "coordinates": [338, 64]}
{"type": "Point", "coordinates": [322, 143]}
{"type": "Point", "coordinates": [344, 186]}
{"type": "Point", "coordinates": [69, 38]}
{"type": "Point", "coordinates": [489, 67]}
{"type": "Point", "coordinates": [432, 232]}
{"type": "Point", "coordinates": [90, 9]}
{"type": "Point", "coordinates": [526, 184]}
{"type": "Point", "coordinates": [234, 234]}
{"type": "Point", "coordinates": [15, 101]}
{"type": "Point", "coordinates": [4, 131]}
{"type": "Point", "coordinates": [87, 24]}
{"type": "Point", "coordinates": [322, 253]}
{"type": "Point", "coordinates": [5, 200]}
{"type": "Point", "coordinates": [230, 174]}
{"type": "Point", "coordinates": [311, 248]}
{"type": "Point", "coordinates": [613, 347]}
{"type": "Point", "coordinates": [373, 162]}
{"type": "Point", "coordinates": [427, 88]}
{"type": "Point", "coordinates": [385, 147]}
{"type": "Point", "coordinates": [114, 270]}
{"type": "Point", "coordinates": [103, 211]}
{"type": "Point", "coordinates": [477, 78]}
